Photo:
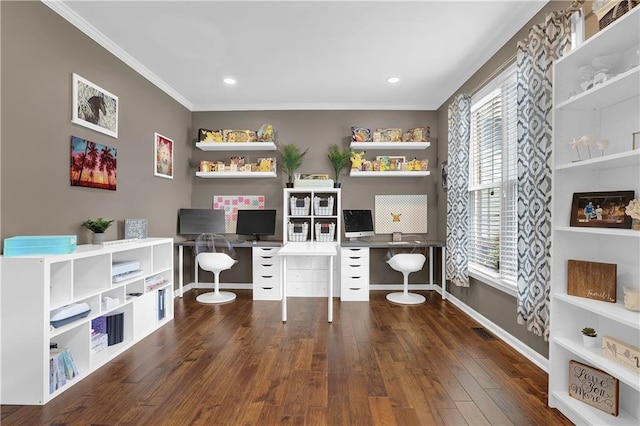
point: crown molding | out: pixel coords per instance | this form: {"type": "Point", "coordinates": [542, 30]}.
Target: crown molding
{"type": "Point", "coordinates": [77, 21]}
{"type": "Point", "coordinates": [309, 107]}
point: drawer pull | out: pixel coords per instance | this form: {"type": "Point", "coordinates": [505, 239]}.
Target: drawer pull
{"type": "Point", "coordinates": [356, 278]}
{"type": "Point", "coordinates": [267, 288]}
{"type": "Point", "coordinates": [354, 288]}
{"type": "Point", "coordinates": [266, 264]}
{"type": "Point", "coordinates": [355, 257]}
{"type": "Point", "coordinates": [267, 276]}
{"type": "Point", "coordinates": [355, 266]}
{"type": "Point", "coordinates": [267, 257]}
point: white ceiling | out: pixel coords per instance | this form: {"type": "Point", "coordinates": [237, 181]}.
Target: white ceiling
{"type": "Point", "coordinates": [302, 54]}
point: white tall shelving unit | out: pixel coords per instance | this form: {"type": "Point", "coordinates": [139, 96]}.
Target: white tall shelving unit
{"type": "Point", "coordinates": [610, 110]}
{"type": "Point", "coordinates": [33, 286]}
{"type": "Point", "coordinates": [308, 275]}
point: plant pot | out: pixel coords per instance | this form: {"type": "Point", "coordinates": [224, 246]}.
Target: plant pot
{"type": "Point", "coordinates": [289, 184]}
{"type": "Point", "coordinates": [98, 238]}
{"type": "Point", "coordinates": [337, 184]}
{"type": "Point", "coordinates": [590, 342]}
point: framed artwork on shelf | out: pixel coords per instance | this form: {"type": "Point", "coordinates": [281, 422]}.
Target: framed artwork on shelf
{"type": "Point", "coordinates": [93, 107]}
{"type": "Point", "coordinates": [135, 228]}
{"type": "Point", "coordinates": [601, 209]}
{"type": "Point", "coordinates": [594, 387]}
{"type": "Point", "coordinates": [93, 165]}
{"type": "Point", "coordinates": [163, 156]}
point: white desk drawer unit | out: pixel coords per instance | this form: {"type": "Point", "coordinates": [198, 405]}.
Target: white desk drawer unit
{"type": "Point", "coordinates": [354, 274]}
{"type": "Point", "coordinates": [266, 274]}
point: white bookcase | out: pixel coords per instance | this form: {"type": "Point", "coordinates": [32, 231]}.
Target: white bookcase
{"type": "Point", "coordinates": [609, 110]}
{"type": "Point", "coordinates": [33, 286]}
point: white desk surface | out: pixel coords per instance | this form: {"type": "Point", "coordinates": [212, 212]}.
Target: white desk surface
{"type": "Point", "coordinates": [309, 248]}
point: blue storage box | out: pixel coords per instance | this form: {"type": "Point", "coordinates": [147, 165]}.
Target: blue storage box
{"type": "Point", "coordinates": [40, 244]}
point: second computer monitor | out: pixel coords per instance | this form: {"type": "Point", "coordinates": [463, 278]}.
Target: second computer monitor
{"type": "Point", "coordinates": [256, 223]}
{"type": "Point", "coordinates": [193, 222]}
{"type": "Point", "coordinates": [358, 223]}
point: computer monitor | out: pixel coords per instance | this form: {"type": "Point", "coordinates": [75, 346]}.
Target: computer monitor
{"type": "Point", "coordinates": [357, 223]}
{"type": "Point", "coordinates": [256, 223]}
{"type": "Point", "coordinates": [193, 222]}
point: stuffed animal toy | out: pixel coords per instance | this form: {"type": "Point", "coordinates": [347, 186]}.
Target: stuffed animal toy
{"type": "Point", "coordinates": [357, 160]}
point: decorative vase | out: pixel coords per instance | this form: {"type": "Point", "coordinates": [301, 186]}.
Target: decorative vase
{"type": "Point", "coordinates": [635, 224]}
{"type": "Point", "coordinates": [590, 342]}
{"type": "Point", "coordinates": [631, 298]}
{"type": "Point", "coordinates": [98, 238]}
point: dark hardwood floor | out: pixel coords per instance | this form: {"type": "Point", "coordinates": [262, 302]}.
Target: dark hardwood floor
{"type": "Point", "coordinates": [377, 364]}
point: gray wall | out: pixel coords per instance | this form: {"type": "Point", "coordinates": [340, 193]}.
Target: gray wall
{"type": "Point", "coordinates": [318, 130]}
{"type": "Point", "coordinates": [493, 304]}
{"type": "Point", "coordinates": [40, 51]}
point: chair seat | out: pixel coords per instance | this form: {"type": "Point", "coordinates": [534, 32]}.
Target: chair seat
{"type": "Point", "coordinates": [407, 262]}
{"type": "Point", "coordinates": [215, 262]}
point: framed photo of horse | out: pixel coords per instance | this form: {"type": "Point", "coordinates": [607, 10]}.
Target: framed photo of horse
{"type": "Point", "coordinates": [93, 107]}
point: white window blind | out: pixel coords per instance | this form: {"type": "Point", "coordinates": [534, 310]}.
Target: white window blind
{"type": "Point", "coordinates": [493, 226]}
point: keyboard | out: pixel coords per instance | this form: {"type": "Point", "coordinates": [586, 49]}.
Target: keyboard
{"type": "Point", "coordinates": [119, 242]}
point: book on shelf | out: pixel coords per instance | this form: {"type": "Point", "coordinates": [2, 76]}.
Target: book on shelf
{"type": "Point", "coordinates": [62, 367]}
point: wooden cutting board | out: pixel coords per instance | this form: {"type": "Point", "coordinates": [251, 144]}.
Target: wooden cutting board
{"type": "Point", "coordinates": [593, 280]}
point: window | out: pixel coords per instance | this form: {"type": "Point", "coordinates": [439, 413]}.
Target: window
{"type": "Point", "coordinates": [493, 226]}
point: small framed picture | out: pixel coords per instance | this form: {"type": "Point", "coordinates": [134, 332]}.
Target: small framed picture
{"type": "Point", "coordinates": [93, 107]}
{"type": "Point", "coordinates": [601, 209]}
{"type": "Point", "coordinates": [163, 157]}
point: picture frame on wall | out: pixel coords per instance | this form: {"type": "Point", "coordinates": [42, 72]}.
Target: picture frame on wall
{"type": "Point", "coordinates": [93, 165]}
{"type": "Point", "coordinates": [601, 209]}
{"type": "Point", "coordinates": [94, 107]}
{"type": "Point", "coordinates": [163, 156]}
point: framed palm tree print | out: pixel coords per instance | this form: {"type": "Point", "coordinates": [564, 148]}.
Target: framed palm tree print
{"type": "Point", "coordinates": [93, 165]}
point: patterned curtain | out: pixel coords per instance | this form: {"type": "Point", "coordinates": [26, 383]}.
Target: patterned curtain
{"type": "Point", "coordinates": [535, 57]}
{"type": "Point", "coordinates": [457, 261]}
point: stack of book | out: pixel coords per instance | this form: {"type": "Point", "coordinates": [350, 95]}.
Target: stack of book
{"type": "Point", "coordinates": [62, 367]}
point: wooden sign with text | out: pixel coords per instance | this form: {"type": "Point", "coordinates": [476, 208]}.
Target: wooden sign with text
{"type": "Point", "coordinates": [593, 280]}
{"type": "Point", "coordinates": [593, 387]}
{"type": "Point", "coordinates": [621, 352]}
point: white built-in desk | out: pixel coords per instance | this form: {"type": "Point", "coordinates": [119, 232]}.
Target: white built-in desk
{"type": "Point", "coordinates": [404, 245]}
{"type": "Point", "coordinates": [308, 248]}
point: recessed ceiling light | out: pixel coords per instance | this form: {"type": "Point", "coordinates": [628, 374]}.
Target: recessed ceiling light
{"type": "Point", "coordinates": [229, 80]}
{"type": "Point", "coordinates": [393, 80]}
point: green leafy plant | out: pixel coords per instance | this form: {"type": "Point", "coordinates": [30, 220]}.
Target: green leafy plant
{"type": "Point", "coordinates": [98, 225]}
{"type": "Point", "coordinates": [338, 159]}
{"type": "Point", "coordinates": [291, 159]}
{"type": "Point", "coordinates": [588, 331]}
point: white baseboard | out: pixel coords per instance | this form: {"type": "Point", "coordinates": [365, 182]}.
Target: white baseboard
{"type": "Point", "coordinates": [516, 344]}
{"type": "Point", "coordinates": [399, 286]}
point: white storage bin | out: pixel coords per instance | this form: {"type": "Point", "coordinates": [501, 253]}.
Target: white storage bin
{"type": "Point", "coordinates": [323, 206]}
{"type": "Point", "coordinates": [298, 231]}
{"type": "Point", "coordinates": [325, 236]}
{"type": "Point", "coordinates": [300, 206]}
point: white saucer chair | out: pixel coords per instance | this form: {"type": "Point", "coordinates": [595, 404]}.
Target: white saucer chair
{"type": "Point", "coordinates": [406, 263]}
{"type": "Point", "coordinates": [214, 253]}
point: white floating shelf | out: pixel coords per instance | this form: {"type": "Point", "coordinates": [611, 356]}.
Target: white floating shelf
{"type": "Point", "coordinates": [620, 88]}
{"type": "Point", "coordinates": [389, 145]}
{"type": "Point", "coordinates": [607, 162]}
{"type": "Point", "coordinates": [357, 173]}
{"type": "Point", "coordinates": [232, 175]}
{"type": "Point", "coordinates": [236, 146]}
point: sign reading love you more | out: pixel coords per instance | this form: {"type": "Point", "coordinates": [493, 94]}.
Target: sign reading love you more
{"type": "Point", "coordinates": [593, 387]}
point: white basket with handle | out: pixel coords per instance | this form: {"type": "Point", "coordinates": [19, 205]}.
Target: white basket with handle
{"type": "Point", "coordinates": [300, 206]}
{"type": "Point", "coordinates": [325, 232]}
{"type": "Point", "coordinates": [298, 232]}
{"type": "Point", "coordinates": [323, 206]}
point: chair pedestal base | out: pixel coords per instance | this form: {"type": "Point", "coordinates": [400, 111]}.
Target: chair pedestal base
{"type": "Point", "coordinates": [216, 297]}
{"type": "Point", "coordinates": [406, 298]}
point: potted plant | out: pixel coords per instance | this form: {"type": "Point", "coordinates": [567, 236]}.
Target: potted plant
{"type": "Point", "coordinates": [291, 160]}
{"type": "Point", "coordinates": [589, 337]}
{"type": "Point", "coordinates": [98, 227]}
{"type": "Point", "coordinates": [338, 160]}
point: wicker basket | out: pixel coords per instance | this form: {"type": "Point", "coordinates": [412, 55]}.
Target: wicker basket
{"type": "Point", "coordinates": [300, 206]}
{"type": "Point", "coordinates": [614, 10]}
{"type": "Point", "coordinates": [323, 206]}
{"type": "Point", "coordinates": [298, 232]}
{"type": "Point", "coordinates": [325, 232]}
